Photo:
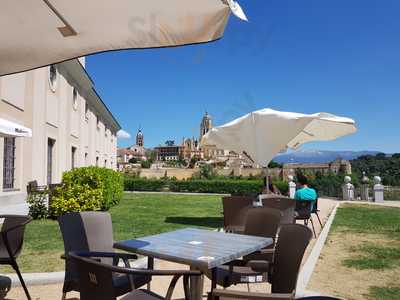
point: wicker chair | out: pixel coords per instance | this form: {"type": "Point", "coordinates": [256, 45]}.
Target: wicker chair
{"type": "Point", "coordinates": [234, 211]}
{"type": "Point", "coordinates": [96, 278]}
{"type": "Point", "coordinates": [11, 241]}
{"type": "Point", "coordinates": [282, 273]}
{"type": "Point", "coordinates": [92, 231]}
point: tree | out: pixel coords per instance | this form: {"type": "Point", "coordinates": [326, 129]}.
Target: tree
{"type": "Point", "coordinates": [274, 164]}
{"type": "Point", "coordinates": [146, 164]}
{"type": "Point", "coordinates": [133, 160]}
{"type": "Point", "coordinates": [193, 161]}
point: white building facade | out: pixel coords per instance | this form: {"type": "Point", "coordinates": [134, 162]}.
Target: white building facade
{"type": "Point", "coordinates": [71, 127]}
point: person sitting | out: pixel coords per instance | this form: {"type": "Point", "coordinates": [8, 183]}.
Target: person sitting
{"type": "Point", "coordinates": [305, 193]}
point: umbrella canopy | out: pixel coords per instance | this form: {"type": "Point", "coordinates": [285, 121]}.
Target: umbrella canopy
{"type": "Point", "coordinates": [11, 129]}
{"type": "Point", "coordinates": [42, 32]}
{"type": "Point", "coordinates": [264, 133]}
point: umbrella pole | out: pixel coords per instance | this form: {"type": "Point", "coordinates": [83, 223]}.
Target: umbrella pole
{"type": "Point", "coordinates": [266, 173]}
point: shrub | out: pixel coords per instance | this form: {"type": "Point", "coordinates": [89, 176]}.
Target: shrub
{"type": "Point", "coordinates": [282, 186]}
{"type": "Point", "coordinates": [143, 184]}
{"type": "Point", "coordinates": [87, 189]}
{"type": "Point", "coordinates": [234, 187]}
{"type": "Point", "coordinates": [37, 205]}
{"type": "Point", "coordinates": [113, 187]}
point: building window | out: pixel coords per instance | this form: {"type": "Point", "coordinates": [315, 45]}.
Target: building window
{"type": "Point", "coordinates": [98, 122]}
{"type": "Point", "coordinates": [73, 155]}
{"type": "Point", "coordinates": [53, 77]}
{"type": "Point", "coordinates": [86, 111]}
{"type": "Point", "coordinates": [50, 154]}
{"type": "Point", "coordinates": [105, 163]}
{"type": "Point", "coordinates": [97, 161]}
{"type": "Point", "coordinates": [9, 163]}
{"type": "Point", "coordinates": [86, 159]}
{"type": "Point", "coordinates": [74, 98]}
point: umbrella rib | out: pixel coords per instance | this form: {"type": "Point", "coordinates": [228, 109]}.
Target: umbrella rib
{"type": "Point", "coordinates": [67, 30]}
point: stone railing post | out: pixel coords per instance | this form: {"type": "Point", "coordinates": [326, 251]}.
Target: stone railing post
{"type": "Point", "coordinates": [365, 188]}
{"type": "Point", "coordinates": [378, 190]}
{"type": "Point", "coordinates": [292, 187]}
{"type": "Point", "coordinates": [348, 189]}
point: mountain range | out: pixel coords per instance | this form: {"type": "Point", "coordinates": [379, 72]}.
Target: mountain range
{"type": "Point", "coordinates": [317, 156]}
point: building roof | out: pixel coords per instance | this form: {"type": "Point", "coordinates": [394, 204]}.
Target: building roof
{"type": "Point", "coordinates": [78, 77]}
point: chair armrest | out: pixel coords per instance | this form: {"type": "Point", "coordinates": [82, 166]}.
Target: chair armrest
{"type": "Point", "coordinates": [261, 266]}
{"type": "Point", "coordinates": [267, 251]}
{"type": "Point", "coordinates": [248, 295]}
{"type": "Point", "coordinates": [108, 254]}
{"type": "Point", "coordinates": [28, 220]}
{"type": "Point", "coordinates": [87, 255]}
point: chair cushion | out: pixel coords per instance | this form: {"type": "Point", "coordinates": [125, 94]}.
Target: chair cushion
{"type": "Point", "coordinates": [142, 295]}
{"type": "Point", "coordinates": [239, 274]}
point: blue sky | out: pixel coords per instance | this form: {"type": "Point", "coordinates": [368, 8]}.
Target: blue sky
{"type": "Point", "coordinates": [341, 57]}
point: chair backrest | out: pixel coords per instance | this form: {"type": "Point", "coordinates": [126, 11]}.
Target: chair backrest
{"type": "Point", "coordinates": [12, 234]}
{"type": "Point", "coordinates": [95, 279]}
{"type": "Point", "coordinates": [234, 209]}
{"type": "Point", "coordinates": [304, 209]}
{"type": "Point", "coordinates": [262, 221]}
{"type": "Point", "coordinates": [32, 186]}
{"type": "Point", "coordinates": [284, 204]}
{"type": "Point", "coordinates": [293, 240]}
{"type": "Point", "coordinates": [85, 231]}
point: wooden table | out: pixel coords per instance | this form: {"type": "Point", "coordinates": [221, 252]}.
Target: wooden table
{"type": "Point", "coordinates": [200, 249]}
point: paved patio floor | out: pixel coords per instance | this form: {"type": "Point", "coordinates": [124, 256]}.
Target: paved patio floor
{"type": "Point", "coordinates": [160, 285]}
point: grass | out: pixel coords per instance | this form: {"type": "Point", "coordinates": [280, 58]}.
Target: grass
{"type": "Point", "coordinates": [369, 220]}
{"type": "Point", "coordinates": [385, 293]}
{"type": "Point", "coordinates": [137, 215]}
{"type": "Point", "coordinates": [374, 257]}
{"type": "Point", "coordinates": [382, 253]}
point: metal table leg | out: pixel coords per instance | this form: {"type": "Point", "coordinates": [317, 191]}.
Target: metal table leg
{"type": "Point", "coordinates": [196, 286]}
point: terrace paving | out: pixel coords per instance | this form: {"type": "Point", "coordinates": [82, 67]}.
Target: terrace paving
{"type": "Point", "coordinates": [160, 285]}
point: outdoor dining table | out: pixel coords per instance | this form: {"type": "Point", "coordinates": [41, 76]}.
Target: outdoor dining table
{"type": "Point", "coordinates": [202, 250]}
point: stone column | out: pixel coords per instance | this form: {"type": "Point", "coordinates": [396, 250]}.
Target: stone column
{"type": "Point", "coordinates": [365, 188]}
{"type": "Point", "coordinates": [348, 189]}
{"type": "Point", "coordinates": [292, 187]}
{"type": "Point", "coordinates": [378, 190]}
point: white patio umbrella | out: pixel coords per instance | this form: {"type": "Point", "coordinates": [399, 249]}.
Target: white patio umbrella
{"type": "Point", "coordinates": [36, 33]}
{"type": "Point", "coordinates": [264, 133]}
{"type": "Point", "coordinates": [11, 129]}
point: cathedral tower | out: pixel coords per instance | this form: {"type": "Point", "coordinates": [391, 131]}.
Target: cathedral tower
{"type": "Point", "coordinates": [139, 138]}
{"type": "Point", "coordinates": [206, 125]}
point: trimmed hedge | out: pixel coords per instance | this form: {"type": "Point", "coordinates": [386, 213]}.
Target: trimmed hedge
{"type": "Point", "coordinates": [87, 189]}
{"type": "Point", "coordinates": [144, 185]}
{"type": "Point", "coordinates": [234, 187]}
{"type": "Point", "coordinates": [219, 186]}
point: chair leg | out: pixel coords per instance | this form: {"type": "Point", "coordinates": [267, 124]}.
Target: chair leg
{"type": "Point", "coordinates": [248, 287]}
{"type": "Point", "coordinates": [15, 266]}
{"type": "Point", "coordinates": [319, 220]}
{"type": "Point", "coordinates": [64, 296]}
{"type": "Point", "coordinates": [313, 228]}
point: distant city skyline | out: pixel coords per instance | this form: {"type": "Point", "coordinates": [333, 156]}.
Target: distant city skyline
{"type": "Point", "coordinates": [338, 57]}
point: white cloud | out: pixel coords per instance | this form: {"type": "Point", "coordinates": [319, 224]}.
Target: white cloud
{"type": "Point", "coordinates": [122, 134]}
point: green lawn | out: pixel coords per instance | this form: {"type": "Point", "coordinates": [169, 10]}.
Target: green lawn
{"type": "Point", "coordinates": [379, 254]}
{"type": "Point", "coordinates": [137, 215]}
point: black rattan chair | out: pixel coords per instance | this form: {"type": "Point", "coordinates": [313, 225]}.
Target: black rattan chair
{"type": "Point", "coordinates": [11, 241]}
{"type": "Point", "coordinates": [260, 221]}
{"type": "Point", "coordinates": [284, 204]}
{"type": "Point", "coordinates": [293, 240]}
{"type": "Point", "coordinates": [234, 211]}
{"type": "Point", "coordinates": [304, 209]}
{"type": "Point", "coordinates": [96, 278]}
{"type": "Point", "coordinates": [92, 231]}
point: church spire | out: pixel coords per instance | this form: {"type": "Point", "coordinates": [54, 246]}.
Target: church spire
{"type": "Point", "coordinates": [140, 137]}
